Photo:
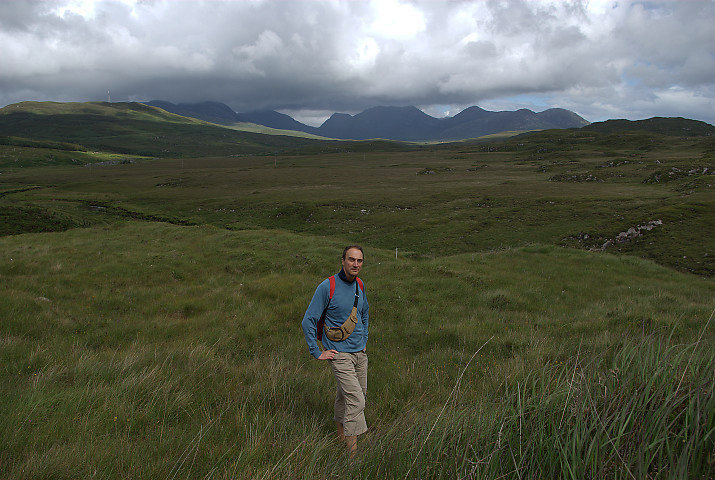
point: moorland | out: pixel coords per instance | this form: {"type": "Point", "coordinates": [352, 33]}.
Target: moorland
{"type": "Point", "coordinates": [541, 304]}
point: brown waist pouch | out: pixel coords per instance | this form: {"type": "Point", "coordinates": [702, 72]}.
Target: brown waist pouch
{"type": "Point", "coordinates": [337, 334]}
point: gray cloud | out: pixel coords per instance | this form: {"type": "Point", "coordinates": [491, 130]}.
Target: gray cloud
{"type": "Point", "coordinates": [603, 59]}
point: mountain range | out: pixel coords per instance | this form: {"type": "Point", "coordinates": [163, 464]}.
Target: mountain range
{"type": "Point", "coordinates": [70, 132]}
{"type": "Point", "coordinates": [393, 123]}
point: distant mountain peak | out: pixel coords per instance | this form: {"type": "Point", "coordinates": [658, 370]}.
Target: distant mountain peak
{"type": "Point", "coordinates": [407, 123]}
{"type": "Point", "coordinates": [214, 112]}
{"type": "Point", "coordinates": [412, 124]}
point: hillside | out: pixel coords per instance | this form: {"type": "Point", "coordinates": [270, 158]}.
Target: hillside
{"type": "Point", "coordinates": [673, 126]}
{"type": "Point", "coordinates": [134, 129]}
{"type": "Point", "coordinates": [214, 112]}
{"type": "Point", "coordinates": [278, 120]}
{"type": "Point", "coordinates": [222, 114]}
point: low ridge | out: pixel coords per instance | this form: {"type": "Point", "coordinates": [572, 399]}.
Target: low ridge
{"type": "Point", "coordinates": [673, 126]}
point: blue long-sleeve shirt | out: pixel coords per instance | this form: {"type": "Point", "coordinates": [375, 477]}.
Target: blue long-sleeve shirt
{"type": "Point", "coordinates": [338, 311]}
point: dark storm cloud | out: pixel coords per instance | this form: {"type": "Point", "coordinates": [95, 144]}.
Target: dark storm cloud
{"type": "Point", "coordinates": [602, 59]}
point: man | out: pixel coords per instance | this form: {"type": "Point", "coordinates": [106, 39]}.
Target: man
{"type": "Point", "coordinates": [344, 337]}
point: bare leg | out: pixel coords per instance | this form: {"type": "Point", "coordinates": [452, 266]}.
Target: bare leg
{"type": "Point", "coordinates": [351, 442]}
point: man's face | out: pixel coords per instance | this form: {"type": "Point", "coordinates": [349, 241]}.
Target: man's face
{"type": "Point", "coordinates": [352, 263]}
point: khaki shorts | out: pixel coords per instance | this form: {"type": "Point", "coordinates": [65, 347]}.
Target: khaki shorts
{"type": "Point", "coordinates": [350, 370]}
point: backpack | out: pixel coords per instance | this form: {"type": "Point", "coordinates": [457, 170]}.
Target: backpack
{"type": "Point", "coordinates": [321, 322]}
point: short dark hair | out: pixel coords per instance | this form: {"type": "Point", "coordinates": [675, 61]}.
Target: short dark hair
{"type": "Point", "coordinates": [345, 250]}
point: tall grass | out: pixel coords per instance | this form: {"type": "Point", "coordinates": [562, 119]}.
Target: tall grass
{"type": "Point", "coordinates": [627, 417]}
{"type": "Point", "coordinates": [162, 351]}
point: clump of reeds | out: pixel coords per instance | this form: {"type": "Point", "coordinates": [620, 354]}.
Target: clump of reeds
{"type": "Point", "coordinates": [648, 413]}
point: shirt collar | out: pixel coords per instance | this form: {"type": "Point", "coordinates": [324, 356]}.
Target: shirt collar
{"type": "Point", "coordinates": [342, 276]}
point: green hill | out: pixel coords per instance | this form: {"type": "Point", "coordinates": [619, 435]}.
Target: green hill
{"type": "Point", "coordinates": [673, 126]}
{"type": "Point", "coordinates": [134, 129]}
{"type": "Point", "coordinates": [256, 128]}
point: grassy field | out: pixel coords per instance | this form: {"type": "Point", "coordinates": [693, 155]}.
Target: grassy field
{"type": "Point", "coordinates": [579, 192]}
{"type": "Point", "coordinates": [151, 309]}
{"type": "Point", "coordinates": [149, 350]}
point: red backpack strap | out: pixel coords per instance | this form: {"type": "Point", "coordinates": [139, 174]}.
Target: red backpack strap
{"type": "Point", "coordinates": [332, 285]}
{"type": "Point", "coordinates": [362, 287]}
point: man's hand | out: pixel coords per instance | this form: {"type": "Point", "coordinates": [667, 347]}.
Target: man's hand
{"type": "Point", "coordinates": [327, 355]}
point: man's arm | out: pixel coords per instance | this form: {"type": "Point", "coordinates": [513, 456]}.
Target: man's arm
{"type": "Point", "coordinates": [310, 321]}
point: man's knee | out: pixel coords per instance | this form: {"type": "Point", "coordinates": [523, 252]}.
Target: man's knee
{"type": "Point", "coordinates": [356, 401]}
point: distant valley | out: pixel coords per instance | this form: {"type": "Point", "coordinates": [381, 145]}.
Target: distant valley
{"type": "Point", "coordinates": [391, 123]}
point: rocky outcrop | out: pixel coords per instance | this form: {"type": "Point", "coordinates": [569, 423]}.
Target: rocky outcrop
{"type": "Point", "coordinates": [630, 234]}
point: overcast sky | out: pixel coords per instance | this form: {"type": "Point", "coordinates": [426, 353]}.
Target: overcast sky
{"type": "Point", "coordinates": [602, 59]}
